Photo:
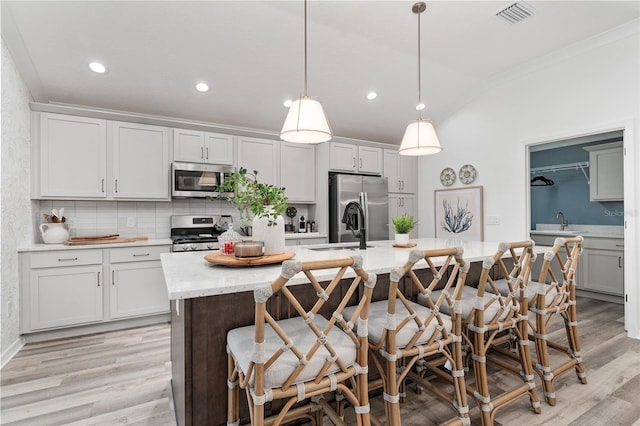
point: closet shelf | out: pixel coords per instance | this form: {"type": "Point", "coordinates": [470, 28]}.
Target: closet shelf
{"type": "Point", "coordinates": [561, 167]}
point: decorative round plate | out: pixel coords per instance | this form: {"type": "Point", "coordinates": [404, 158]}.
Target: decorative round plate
{"type": "Point", "coordinates": [448, 176]}
{"type": "Point", "coordinates": [467, 174]}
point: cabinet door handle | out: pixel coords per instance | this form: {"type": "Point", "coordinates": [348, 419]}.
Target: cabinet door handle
{"type": "Point", "coordinates": [619, 261]}
{"type": "Point", "coordinates": [116, 186]}
{"type": "Point", "coordinates": [402, 184]}
{"type": "Point", "coordinates": [207, 157]}
{"type": "Point", "coordinates": [113, 277]}
{"type": "Point", "coordinates": [399, 186]}
{"type": "Point", "coordinates": [98, 279]}
{"type": "Point", "coordinates": [202, 153]}
{"type": "Point", "coordinates": [619, 245]}
{"type": "Point", "coordinates": [140, 254]}
{"type": "Point", "coordinates": [102, 185]}
{"type": "Point", "coordinates": [68, 259]}
{"type": "Point", "coordinates": [354, 162]}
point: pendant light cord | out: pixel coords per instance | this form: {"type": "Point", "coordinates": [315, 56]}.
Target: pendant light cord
{"type": "Point", "coordinates": [419, 71]}
{"type": "Point", "coordinates": [305, 48]}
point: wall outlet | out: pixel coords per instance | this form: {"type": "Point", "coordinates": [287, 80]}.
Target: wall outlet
{"type": "Point", "coordinates": [131, 222]}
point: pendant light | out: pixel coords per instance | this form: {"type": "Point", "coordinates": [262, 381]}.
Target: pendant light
{"type": "Point", "coordinates": [420, 138]}
{"type": "Point", "coordinates": [305, 122]}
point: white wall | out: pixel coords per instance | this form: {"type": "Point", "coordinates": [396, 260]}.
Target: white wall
{"type": "Point", "coordinates": [591, 87]}
{"type": "Point", "coordinates": [16, 207]}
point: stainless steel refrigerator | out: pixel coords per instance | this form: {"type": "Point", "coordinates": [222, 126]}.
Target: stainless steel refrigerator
{"type": "Point", "coordinates": [371, 193]}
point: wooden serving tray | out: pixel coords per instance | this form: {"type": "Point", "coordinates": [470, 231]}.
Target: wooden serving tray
{"type": "Point", "coordinates": [408, 245]}
{"type": "Point", "coordinates": [230, 260]}
{"type": "Point", "coordinates": [101, 240]}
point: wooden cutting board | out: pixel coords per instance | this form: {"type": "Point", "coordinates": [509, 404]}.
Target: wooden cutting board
{"type": "Point", "coordinates": [230, 260]}
{"type": "Point", "coordinates": [102, 240]}
{"type": "Point", "coordinates": [408, 245]}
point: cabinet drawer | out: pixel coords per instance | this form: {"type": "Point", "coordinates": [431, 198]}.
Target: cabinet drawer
{"type": "Point", "coordinates": [137, 254]}
{"type": "Point", "coordinates": [52, 259]}
{"type": "Point", "coordinates": [604, 243]}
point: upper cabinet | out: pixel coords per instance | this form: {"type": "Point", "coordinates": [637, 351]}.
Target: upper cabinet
{"type": "Point", "coordinates": [606, 172]}
{"type": "Point", "coordinates": [261, 155]}
{"type": "Point", "coordinates": [354, 158]}
{"type": "Point", "coordinates": [87, 158]}
{"type": "Point", "coordinates": [140, 161]}
{"type": "Point", "coordinates": [401, 172]}
{"type": "Point", "coordinates": [298, 172]}
{"type": "Point", "coordinates": [194, 146]}
{"type": "Point", "coordinates": [72, 158]}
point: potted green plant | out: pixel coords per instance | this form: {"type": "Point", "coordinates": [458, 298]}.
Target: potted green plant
{"type": "Point", "coordinates": [403, 225]}
{"type": "Point", "coordinates": [261, 205]}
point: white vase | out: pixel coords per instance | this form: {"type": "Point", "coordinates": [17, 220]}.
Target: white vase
{"type": "Point", "coordinates": [272, 236]}
{"type": "Point", "coordinates": [54, 233]}
{"type": "Point", "coordinates": [402, 239]}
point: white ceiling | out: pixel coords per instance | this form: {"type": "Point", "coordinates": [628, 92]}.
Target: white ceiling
{"type": "Point", "coordinates": [251, 55]}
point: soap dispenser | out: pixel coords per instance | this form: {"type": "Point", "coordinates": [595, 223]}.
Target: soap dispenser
{"type": "Point", "coordinates": [303, 225]}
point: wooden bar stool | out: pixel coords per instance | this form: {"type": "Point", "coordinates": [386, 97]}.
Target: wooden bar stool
{"type": "Point", "coordinates": [402, 333]}
{"type": "Point", "coordinates": [301, 358]}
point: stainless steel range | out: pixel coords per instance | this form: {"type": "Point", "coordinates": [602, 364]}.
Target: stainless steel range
{"type": "Point", "coordinates": [197, 232]}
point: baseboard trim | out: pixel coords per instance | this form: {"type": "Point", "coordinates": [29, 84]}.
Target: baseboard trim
{"type": "Point", "coordinates": [11, 351]}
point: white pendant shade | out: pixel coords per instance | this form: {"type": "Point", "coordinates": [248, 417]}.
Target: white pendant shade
{"type": "Point", "coordinates": [420, 138]}
{"type": "Point", "coordinates": [306, 123]}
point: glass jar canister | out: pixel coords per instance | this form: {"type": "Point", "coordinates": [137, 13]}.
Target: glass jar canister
{"type": "Point", "coordinates": [228, 239]}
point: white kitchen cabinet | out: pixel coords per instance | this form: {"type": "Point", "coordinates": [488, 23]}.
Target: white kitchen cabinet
{"type": "Point", "coordinates": [603, 265]}
{"type": "Point", "coordinates": [401, 172]}
{"type": "Point", "coordinates": [63, 289]}
{"type": "Point", "coordinates": [354, 158]}
{"type": "Point", "coordinates": [194, 146]}
{"type": "Point", "coordinates": [298, 172]}
{"type": "Point", "coordinates": [88, 158]}
{"type": "Point", "coordinates": [140, 162]}
{"type": "Point", "coordinates": [606, 172]}
{"type": "Point", "coordinates": [72, 157]}
{"type": "Point", "coordinates": [401, 204]}
{"type": "Point", "coordinates": [262, 155]}
{"type": "Point", "coordinates": [137, 284]}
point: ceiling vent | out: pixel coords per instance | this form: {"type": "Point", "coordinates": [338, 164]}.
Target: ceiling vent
{"type": "Point", "coordinates": [515, 13]}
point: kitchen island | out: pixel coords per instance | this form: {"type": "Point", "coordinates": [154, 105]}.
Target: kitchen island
{"type": "Point", "coordinates": [208, 300]}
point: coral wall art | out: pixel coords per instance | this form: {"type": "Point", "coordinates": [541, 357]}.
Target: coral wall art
{"type": "Point", "coordinates": [458, 213]}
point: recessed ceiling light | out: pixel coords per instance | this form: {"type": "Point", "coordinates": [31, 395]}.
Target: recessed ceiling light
{"type": "Point", "coordinates": [287, 103]}
{"type": "Point", "coordinates": [372, 95]}
{"type": "Point", "coordinates": [202, 87]}
{"type": "Point", "coordinates": [97, 67]}
{"type": "Point", "coordinates": [420, 107]}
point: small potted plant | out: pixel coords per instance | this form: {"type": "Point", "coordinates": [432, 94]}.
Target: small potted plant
{"type": "Point", "coordinates": [403, 225]}
{"type": "Point", "coordinates": [260, 204]}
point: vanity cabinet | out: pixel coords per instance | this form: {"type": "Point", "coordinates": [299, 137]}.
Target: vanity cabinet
{"type": "Point", "coordinates": [401, 172]}
{"type": "Point", "coordinates": [89, 158]}
{"type": "Point", "coordinates": [606, 179]}
{"type": "Point", "coordinates": [298, 172]}
{"type": "Point", "coordinates": [137, 284]}
{"type": "Point", "coordinates": [262, 155]}
{"type": "Point", "coordinates": [355, 158]}
{"type": "Point", "coordinates": [62, 289]}
{"type": "Point", "coordinates": [194, 146]}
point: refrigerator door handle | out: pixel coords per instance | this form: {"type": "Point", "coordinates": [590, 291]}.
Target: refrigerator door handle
{"type": "Point", "coordinates": [364, 202]}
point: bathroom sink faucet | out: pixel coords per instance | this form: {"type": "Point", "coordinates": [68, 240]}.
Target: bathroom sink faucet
{"type": "Point", "coordinates": [351, 220]}
{"type": "Point", "coordinates": [563, 222]}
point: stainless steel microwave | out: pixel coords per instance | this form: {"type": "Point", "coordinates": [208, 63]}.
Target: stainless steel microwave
{"type": "Point", "coordinates": [190, 180]}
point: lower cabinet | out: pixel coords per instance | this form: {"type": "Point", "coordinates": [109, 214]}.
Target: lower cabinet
{"type": "Point", "coordinates": [603, 265]}
{"type": "Point", "coordinates": [137, 285]}
{"type": "Point", "coordinates": [65, 288]}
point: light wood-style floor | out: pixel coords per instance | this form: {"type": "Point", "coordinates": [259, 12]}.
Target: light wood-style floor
{"type": "Point", "coordinates": [123, 377]}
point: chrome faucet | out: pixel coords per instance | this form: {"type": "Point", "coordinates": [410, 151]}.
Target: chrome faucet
{"type": "Point", "coordinates": [563, 222]}
{"type": "Point", "coordinates": [351, 220]}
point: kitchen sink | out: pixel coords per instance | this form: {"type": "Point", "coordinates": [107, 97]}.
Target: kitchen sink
{"type": "Point", "coordinates": [349, 247]}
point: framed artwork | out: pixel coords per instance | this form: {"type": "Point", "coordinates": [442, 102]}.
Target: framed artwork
{"type": "Point", "coordinates": [458, 213]}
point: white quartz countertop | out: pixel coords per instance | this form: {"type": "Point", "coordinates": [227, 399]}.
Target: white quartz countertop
{"type": "Point", "coordinates": [49, 247]}
{"type": "Point", "coordinates": [189, 275]}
